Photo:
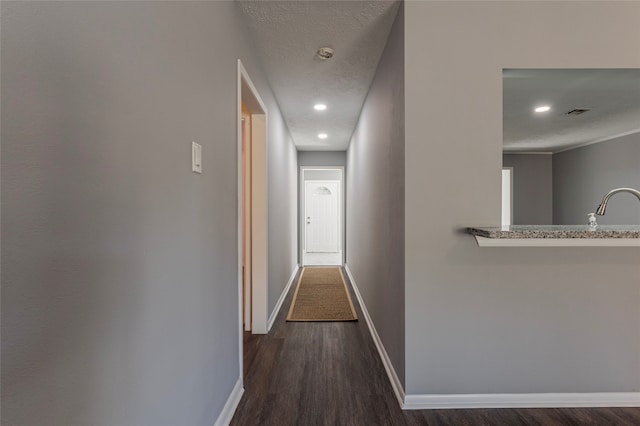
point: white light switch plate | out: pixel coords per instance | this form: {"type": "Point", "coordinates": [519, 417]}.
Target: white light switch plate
{"type": "Point", "coordinates": [196, 157]}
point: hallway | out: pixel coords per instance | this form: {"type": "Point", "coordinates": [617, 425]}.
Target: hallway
{"type": "Point", "coordinates": [314, 373]}
{"type": "Point", "coordinates": [311, 373]}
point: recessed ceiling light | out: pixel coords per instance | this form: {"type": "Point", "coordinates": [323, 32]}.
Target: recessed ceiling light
{"type": "Point", "coordinates": [543, 108]}
{"type": "Point", "coordinates": [319, 107]}
{"type": "Point", "coordinates": [322, 135]}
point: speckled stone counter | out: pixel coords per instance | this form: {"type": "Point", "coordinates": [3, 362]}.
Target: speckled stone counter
{"type": "Point", "coordinates": [558, 235]}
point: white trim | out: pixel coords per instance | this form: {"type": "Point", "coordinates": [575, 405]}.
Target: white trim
{"type": "Point", "coordinates": [242, 72]}
{"type": "Point", "coordinates": [240, 224]}
{"type": "Point", "coordinates": [523, 400]}
{"type": "Point", "coordinates": [398, 390]}
{"type": "Point", "coordinates": [276, 310]}
{"type": "Point", "coordinates": [557, 242]}
{"type": "Point", "coordinates": [244, 166]}
{"type": "Point", "coordinates": [510, 222]}
{"type": "Point", "coordinates": [231, 405]}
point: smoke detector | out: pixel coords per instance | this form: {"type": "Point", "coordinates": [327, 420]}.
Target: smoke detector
{"type": "Point", "coordinates": [325, 53]}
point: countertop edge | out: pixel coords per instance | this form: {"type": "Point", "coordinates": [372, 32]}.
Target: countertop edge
{"type": "Point", "coordinates": [568, 232]}
{"type": "Point", "coordinates": [557, 242]}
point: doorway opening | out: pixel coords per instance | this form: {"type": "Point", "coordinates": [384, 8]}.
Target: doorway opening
{"type": "Point", "coordinates": [322, 216]}
{"type": "Point", "coordinates": [252, 208]}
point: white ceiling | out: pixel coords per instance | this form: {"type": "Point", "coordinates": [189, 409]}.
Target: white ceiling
{"type": "Point", "coordinates": [288, 34]}
{"type": "Point", "coordinates": [612, 95]}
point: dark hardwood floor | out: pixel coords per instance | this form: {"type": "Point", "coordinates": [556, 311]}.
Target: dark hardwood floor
{"type": "Point", "coordinates": [331, 374]}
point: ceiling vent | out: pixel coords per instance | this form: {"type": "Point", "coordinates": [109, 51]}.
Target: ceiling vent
{"type": "Point", "coordinates": [578, 111]}
{"type": "Point", "coordinates": [325, 53]}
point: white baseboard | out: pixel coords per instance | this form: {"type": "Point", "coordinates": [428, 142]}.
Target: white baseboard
{"type": "Point", "coordinates": [523, 400]}
{"type": "Point", "coordinates": [230, 406]}
{"type": "Point", "coordinates": [391, 372]}
{"type": "Point", "coordinates": [276, 309]}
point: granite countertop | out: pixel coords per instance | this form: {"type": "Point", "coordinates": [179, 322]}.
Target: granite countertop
{"type": "Point", "coordinates": [557, 231]}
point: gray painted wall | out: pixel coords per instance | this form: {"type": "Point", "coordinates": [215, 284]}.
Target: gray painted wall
{"type": "Point", "coordinates": [532, 188]}
{"type": "Point", "coordinates": [484, 320]}
{"type": "Point", "coordinates": [119, 278]}
{"type": "Point", "coordinates": [282, 169]}
{"type": "Point", "coordinates": [375, 199]}
{"type": "Point", "coordinates": [584, 175]}
{"type": "Point", "coordinates": [334, 174]}
{"type": "Point", "coordinates": [322, 158]}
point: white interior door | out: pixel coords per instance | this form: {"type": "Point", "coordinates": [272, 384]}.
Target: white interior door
{"type": "Point", "coordinates": [322, 216]}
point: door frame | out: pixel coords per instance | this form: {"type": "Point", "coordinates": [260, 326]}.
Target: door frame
{"type": "Point", "coordinates": [247, 93]}
{"type": "Point", "coordinates": [302, 206]}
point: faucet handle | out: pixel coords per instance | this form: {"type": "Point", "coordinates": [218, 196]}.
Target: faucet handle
{"type": "Point", "coordinates": [592, 220]}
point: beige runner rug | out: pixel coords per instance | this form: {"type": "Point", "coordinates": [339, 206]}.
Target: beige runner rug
{"type": "Point", "coordinates": [321, 295]}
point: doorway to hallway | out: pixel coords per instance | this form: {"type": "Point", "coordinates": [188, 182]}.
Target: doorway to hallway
{"type": "Point", "coordinates": [322, 215]}
{"type": "Point", "coordinates": [252, 207]}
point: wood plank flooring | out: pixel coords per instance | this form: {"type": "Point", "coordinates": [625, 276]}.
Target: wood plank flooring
{"type": "Point", "coordinates": [312, 374]}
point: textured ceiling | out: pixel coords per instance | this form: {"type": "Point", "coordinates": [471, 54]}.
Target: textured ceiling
{"type": "Point", "coordinates": [288, 34]}
{"type": "Point", "coordinates": [612, 95]}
